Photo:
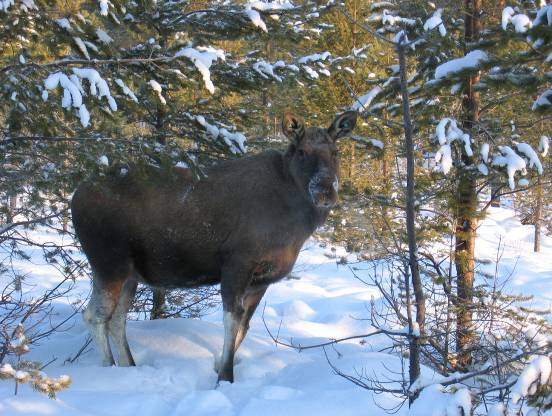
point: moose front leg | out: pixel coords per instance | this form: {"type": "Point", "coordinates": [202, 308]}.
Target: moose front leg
{"type": "Point", "coordinates": [234, 282]}
{"type": "Point", "coordinates": [232, 321]}
{"type": "Point", "coordinates": [250, 303]}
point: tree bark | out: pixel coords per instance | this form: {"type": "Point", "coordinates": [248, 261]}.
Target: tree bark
{"type": "Point", "coordinates": [158, 308]}
{"type": "Point", "coordinates": [538, 217]}
{"type": "Point", "coordinates": [466, 204]}
{"type": "Point", "coordinates": [414, 340]}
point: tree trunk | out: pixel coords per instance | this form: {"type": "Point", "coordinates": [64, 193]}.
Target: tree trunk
{"type": "Point", "coordinates": [414, 330]}
{"type": "Point", "coordinates": [466, 205]}
{"type": "Point", "coordinates": [158, 308]}
{"type": "Point", "coordinates": [538, 217]}
{"type": "Point", "coordinates": [12, 207]}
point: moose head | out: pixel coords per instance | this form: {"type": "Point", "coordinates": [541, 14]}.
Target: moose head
{"type": "Point", "coordinates": [314, 162]}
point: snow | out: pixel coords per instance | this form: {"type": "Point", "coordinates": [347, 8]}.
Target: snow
{"type": "Point", "coordinates": [266, 69]}
{"type": "Point", "coordinates": [82, 47]}
{"type": "Point", "coordinates": [484, 150]}
{"type": "Point", "coordinates": [314, 57]}
{"type": "Point", "coordinates": [7, 369]}
{"type": "Point", "coordinates": [64, 23]}
{"type": "Point", "coordinates": [71, 94]}
{"type": "Point", "coordinates": [127, 91]}
{"type": "Point", "coordinates": [73, 91]}
{"type": "Point", "coordinates": [387, 18]}
{"type": "Point", "coordinates": [271, 6]}
{"type": "Point", "coordinates": [203, 57]}
{"type": "Point", "coordinates": [446, 132]}
{"type": "Point", "coordinates": [472, 60]}
{"type": "Point", "coordinates": [84, 115]}
{"type": "Point", "coordinates": [536, 373]}
{"type": "Point", "coordinates": [175, 357]}
{"type": "Point", "coordinates": [363, 102]}
{"type": "Point", "coordinates": [6, 4]}
{"type": "Point", "coordinates": [251, 8]}
{"type": "Point", "coordinates": [376, 143]}
{"type": "Point", "coordinates": [155, 86]}
{"type": "Point", "coordinates": [103, 36]}
{"type": "Point", "coordinates": [174, 373]}
{"type": "Point", "coordinates": [543, 145]}
{"type": "Point", "coordinates": [255, 18]}
{"type": "Point", "coordinates": [545, 11]}
{"type": "Point", "coordinates": [543, 100]}
{"type": "Point", "coordinates": [435, 400]}
{"type": "Point", "coordinates": [481, 167]}
{"type": "Point", "coordinates": [528, 151]}
{"type": "Point", "coordinates": [436, 21]}
{"type": "Point", "coordinates": [507, 14]}
{"type": "Point", "coordinates": [523, 182]}
{"type": "Point", "coordinates": [234, 140]}
{"type": "Point", "coordinates": [104, 7]}
{"type": "Point", "coordinates": [521, 22]}
{"type": "Point", "coordinates": [497, 410]}
{"type": "Point", "coordinates": [512, 161]}
{"type": "Point", "coordinates": [26, 5]}
{"type": "Point", "coordinates": [443, 158]}
{"type": "Point", "coordinates": [310, 72]}
{"type": "Point", "coordinates": [103, 160]}
{"type": "Point", "coordinates": [98, 86]}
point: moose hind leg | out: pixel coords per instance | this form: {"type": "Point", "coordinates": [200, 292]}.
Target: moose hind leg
{"type": "Point", "coordinates": [97, 314]}
{"type": "Point", "coordinates": [117, 323]}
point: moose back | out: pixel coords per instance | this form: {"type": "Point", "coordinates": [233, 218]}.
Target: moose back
{"type": "Point", "coordinates": [242, 225]}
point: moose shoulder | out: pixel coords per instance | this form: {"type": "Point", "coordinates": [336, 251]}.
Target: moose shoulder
{"type": "Point", "coordinates": [242, 225]}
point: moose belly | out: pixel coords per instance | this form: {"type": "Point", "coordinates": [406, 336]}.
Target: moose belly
{"type": "Point", "coordinates": [176, 271]}
{"type": "Point", "coordinates": [274, 266]}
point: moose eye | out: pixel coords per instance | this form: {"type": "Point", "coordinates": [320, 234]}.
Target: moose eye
{"type": "Point", "coordinates": [301, 153]}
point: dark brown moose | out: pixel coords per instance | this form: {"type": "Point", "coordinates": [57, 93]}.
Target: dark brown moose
{"type": "Point", "coordinates": [242, 225]}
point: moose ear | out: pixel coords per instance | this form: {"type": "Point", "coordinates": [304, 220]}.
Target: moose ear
{"type": "Point", "coordinates": [293, 126]}
{"type": "Point", "coordinates": [343, 124]}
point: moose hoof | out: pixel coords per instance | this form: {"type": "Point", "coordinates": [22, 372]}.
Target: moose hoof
{"type": "Point", "coordinates": [108, 363]}
{"type": "Point", "coordinates": [216, 366]}
{"type": "Point", "coordinates": [222, 377]}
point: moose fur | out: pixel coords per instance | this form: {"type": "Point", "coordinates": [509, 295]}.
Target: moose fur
{"type": "Point", "coordinates": [241, 226]}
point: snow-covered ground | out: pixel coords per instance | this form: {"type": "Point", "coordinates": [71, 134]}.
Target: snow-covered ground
{"type": "Point", "coordinates": [175, 357]}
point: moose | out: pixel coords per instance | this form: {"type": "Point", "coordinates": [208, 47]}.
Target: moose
{"type": "Point", "coordinates": [242, 225]}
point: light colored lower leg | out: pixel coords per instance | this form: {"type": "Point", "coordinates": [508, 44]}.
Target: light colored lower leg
{"type": "Point", "coordinates": [231, 324]}
{"type": "Point", "coordinates": [242, 330]}
{"type": "Point", "coordinates": [97, 326]}
{"type": "Point", "coordinates": [117, 329]}
{"type": "Point", "coordinates": [117, 323]}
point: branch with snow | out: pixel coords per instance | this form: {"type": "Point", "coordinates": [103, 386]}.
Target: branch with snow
{"type": "Point", "coordinates": [471, 61]}
{"type": "Point", "coordinates": [203, 57]}
{"type": "Point", "coordinates": [543, 100]}
{"type": "Point", "coordinates": [513, 163]}
{"type": "Point", "coordinates": [234, 140]}
{"type": "Point", "coordinates": [252, 8]}
{"type": "Point", "coordinates": [73, 90]}
{"type": "Point", "coordinates": [446, 132]}
{"type": "Point", "coordinates": [436, 21]}
{"type": "Point", "coordinates": [363, 102]}
{"type": "Point", "coordinates": [520, 21]}
{"type": "Point", "coordinates": [536, 373]}
{"type": "Point", "coordinates": [155, 86]}
{"type": "Point", "coordinates": [543, 144]}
